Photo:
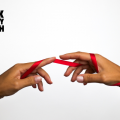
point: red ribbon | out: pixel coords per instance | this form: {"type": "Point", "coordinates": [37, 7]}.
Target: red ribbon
{"type": "Point", "coordinates": [72, 64]}
{"type": "Point", "coordinates": [56, 61]}
{"type": "Point", "coordinates": [93, 58]}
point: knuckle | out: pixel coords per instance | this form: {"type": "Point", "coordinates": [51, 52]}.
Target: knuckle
{"type": "Point", "coordinates": [104, 78]}
{"type": "Point", "coordinates": [17, 65]}
{"type": "Point", "coordinates": [16, 85]}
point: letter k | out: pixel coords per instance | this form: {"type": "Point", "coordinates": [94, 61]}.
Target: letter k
{"type": "Point", "coordinates": [1, 14]}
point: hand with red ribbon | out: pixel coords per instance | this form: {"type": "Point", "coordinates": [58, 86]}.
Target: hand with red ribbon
{"type": "Point", "coordinates": [11, 82]}
{"type": "Point", "coordinates": [23, 75]}
{"type": "Point", "coordinates": [107, 71]}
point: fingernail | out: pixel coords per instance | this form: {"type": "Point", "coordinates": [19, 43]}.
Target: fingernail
{"type": "Point", "coordinates": [38, 79]}
{"type": "Point", "coordinates": [80, 79]}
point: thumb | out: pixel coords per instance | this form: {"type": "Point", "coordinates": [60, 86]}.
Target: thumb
{"type": "Point", "coordinates": [29, 81]}
{"type": "Point", "coordinates": [89, 78]}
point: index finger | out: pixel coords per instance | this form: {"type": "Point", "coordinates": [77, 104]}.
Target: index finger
{"type": "Point", "coordinates": [44, 62]}
{"type": "Point", "coordinates": [76, 55]}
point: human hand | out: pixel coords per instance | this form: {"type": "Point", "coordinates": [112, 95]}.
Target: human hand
{"type": "Point", "coordinates": [109, 72]}
{"type": "Point", "coordinates": [10, 81]}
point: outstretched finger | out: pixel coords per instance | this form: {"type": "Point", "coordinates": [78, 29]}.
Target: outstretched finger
{"type": "Point", "coordinates": [76, 55]}
{"type": "Point", "coordinates": [25, 66]}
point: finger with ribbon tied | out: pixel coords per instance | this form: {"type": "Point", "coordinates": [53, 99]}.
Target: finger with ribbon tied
{"type": "Point", "coordinates": [86, 61]}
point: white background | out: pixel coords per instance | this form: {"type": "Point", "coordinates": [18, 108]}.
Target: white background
{"type": "Point", "coordinates": [38, 29]}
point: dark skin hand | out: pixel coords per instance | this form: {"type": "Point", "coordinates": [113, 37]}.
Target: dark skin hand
{"type": "Point", "coordinates": [10, 81]}
{"type": "Point", "coordinates": [109, 72]}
